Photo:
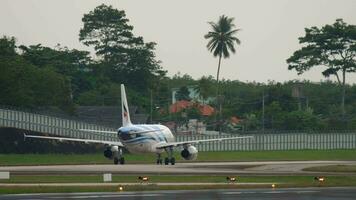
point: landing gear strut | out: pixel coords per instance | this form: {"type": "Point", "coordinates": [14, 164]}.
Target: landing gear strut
{"type": "Point", "coordinates": [159, 159]}
{"type": "Point", "coordinates": [170, 158]}
{"type": "Point", "coordinates": [119, 158]}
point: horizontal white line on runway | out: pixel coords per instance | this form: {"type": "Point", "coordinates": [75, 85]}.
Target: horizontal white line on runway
{"type": "Point", "coordinates": [270, 192]}
{"type": "Point", "coordinates": [107, 196]}
{"type": "Point", "coordinates": [119, 184]}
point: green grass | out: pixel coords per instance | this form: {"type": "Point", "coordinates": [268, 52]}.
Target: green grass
{"type": "Point", "coordinates": [52, 159]}
{"type": "Point", "coordinates": [333, 168]}
{"type": "Point", "coordinates": [173, 179]}
{"type": "Point", "coordinates": [281, 182]}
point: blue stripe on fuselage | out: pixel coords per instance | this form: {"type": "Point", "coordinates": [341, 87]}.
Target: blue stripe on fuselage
{"type": "Point", "coordinates": [157, 135]}
{"type": "Point", "coordinates": [139, 140]}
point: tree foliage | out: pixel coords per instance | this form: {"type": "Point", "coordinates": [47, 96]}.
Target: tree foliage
{"type": "Point", "coordinates": [183, 94]}
{"type": "Point", "coordinates": [25, 85]}
{"type": "Point", "coordinates": [39, 76]}
{"type": "Point", "coordinates": [125, 58]}
{"type": "Point", "coordinates": [332, 46]}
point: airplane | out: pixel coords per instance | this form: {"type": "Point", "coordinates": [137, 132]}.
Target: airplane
{"type": "Point", "coordinates": [141, 139]}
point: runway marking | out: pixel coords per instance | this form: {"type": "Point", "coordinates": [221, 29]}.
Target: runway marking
{"type": "Point", "coordinates": [232, 193]}
{"type": "Point", "coordinates": [272, 192]}
{"type": "Point", "coordinates": [107, 196]}
{"type": "Point", "coordinates": [307, 191]}
{"type": "Point", "coordinates": [275, 192]}
{"type": "Point", "coordinates": [31, 199]}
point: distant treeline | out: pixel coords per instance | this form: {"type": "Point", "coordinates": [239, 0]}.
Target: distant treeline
{"type": "Point", "coordinates": [291, 105]}
{"type": "Point", "coordinates": [38, 76]}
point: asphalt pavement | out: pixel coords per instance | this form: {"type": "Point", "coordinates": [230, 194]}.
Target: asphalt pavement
{"type": "Point", "coordinates": [342, 193]}
{"type": "Point", "coordinates": [262, 168]}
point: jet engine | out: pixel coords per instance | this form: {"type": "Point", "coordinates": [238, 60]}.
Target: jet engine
{"type": "Point", "coordinates": [189, 153]}
{"type": "Point", "coordinates": [111, 151]}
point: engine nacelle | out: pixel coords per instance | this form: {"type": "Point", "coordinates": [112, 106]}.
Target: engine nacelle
{"type": "Point", "coordinates": [189, 153]}
{"type": "Point", "coordinates": [111, 151]}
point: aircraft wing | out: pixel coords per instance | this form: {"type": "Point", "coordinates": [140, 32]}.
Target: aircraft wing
{"type": "Point", "coordinates": [176, 144]}
{"type": "Point", "coordinates": [97, 131]}
{"type": "Point", "coordinates": [115, 143]}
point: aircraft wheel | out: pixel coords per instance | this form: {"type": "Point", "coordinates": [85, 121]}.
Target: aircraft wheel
{"type": "Point", "coordinates": [173, 161]}
{"type": "Point", "coordinates": [159, 161]}
{"type": "Point", "coordinates": [122, 160]}
{"type": "Point", "coordinates": [166, 161]}
{"type": "Point", "coordinates": [116, 161]}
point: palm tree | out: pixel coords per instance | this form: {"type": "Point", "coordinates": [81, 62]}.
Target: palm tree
{"type": "Point", "coordinates": [221, 42]}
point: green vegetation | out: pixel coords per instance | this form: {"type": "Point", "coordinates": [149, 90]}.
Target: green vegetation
{"type": "Point", "coordinates": [172, 179]}
{"type": "Point", "coordinates": [52, 159]}
{"type": "Point", "coordinates": [332, 46]}
{"type": "Point", "coordinates": [29, 75]}
{"type": "Point", "coordinates": [332, 168]}
{"type": "Point", "coordinates": [280, 181]}
{"type": "Point", "coordinates": [222, 40]}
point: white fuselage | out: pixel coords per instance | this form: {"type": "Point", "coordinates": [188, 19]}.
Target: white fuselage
{"type": "Point", "coordinates": [147, 140]}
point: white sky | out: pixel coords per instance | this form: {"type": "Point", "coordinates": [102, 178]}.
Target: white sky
{"type": "Point", "coordinates": [270, 30]}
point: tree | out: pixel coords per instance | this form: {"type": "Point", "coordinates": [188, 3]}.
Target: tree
{"type": "Point", "coordinates": [302, 120]}
{"type": "Point", "coordinates": [25, 85]}
{"type": "Point", "coordinates": [332, 46]}
{"type": "Point", "coordinates": [222, 39]}
{"type": "Point", "coordinates": [221, 42]}
{"type": "Point", "coordinates": [7, 46]}
{"type": "Point", "coordinates": [125, 57]}
{"type": "Point", "coordinates": [205, 87]}
{"type": "Point", "coordinates": [183, 94]}
{"type": "Point", "coordinates": [107, 30]}
{"type": "Point", "coordinates": [69, 62]}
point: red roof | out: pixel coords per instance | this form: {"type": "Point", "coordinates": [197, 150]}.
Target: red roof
{"type": "Point", "coordinates": [179, 105]}
{"type": "Point", "coordinates": [205, 110]}
{"type": "Point", "coordinates": [235, 120]}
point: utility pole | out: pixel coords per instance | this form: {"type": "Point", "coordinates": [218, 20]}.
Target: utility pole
{"type": "Point", "coordinates": [263, 111]}
{"type": "Point", "coordinates": [299, 103]}
{"type": "Point", "coordinates": [151, 106]}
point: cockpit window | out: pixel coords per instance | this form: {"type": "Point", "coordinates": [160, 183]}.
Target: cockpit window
{"type": "Point", "coordinates": [127, 136]}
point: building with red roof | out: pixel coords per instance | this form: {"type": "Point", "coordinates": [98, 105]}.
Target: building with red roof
{"type": "Point", "coordinates": [204, 109]}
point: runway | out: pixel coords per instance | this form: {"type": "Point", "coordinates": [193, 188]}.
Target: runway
{"type": "Point", "coordinates": [342, 193]}
{"type": "Point", "coordinates": [256, 168]}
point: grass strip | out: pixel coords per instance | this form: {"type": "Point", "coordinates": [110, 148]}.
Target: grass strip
{"type": "Point", "coordinates": [298, 182]}
{"type": "Point", "coordinates": [331, 180]}
{"type": "Point", "coordinates": [222, 156]}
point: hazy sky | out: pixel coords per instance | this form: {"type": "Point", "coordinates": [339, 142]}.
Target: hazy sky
{"type": "Point", "coordinates": [269, 35]}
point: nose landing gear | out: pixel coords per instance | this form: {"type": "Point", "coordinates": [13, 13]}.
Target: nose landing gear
{"type": "Point", "coordinates": [170, 158]}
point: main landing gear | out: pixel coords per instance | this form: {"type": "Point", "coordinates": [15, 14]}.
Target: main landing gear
{"type": "Point", "coordinates": [119, 158]}
{"type": "Point", "coordinates": [167, 160]}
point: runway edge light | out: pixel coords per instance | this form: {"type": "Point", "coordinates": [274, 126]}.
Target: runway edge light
{"type": "Point", "coordinates": [320, 179]}
{"type": "Point", "coordinates": [273, 185]}
{"type": "Point", "coordinates": [120, 188]}
{"type": "Point", "coordinates": [231, 178]}
{"type": "Point", "coordinates": [144, 178]}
